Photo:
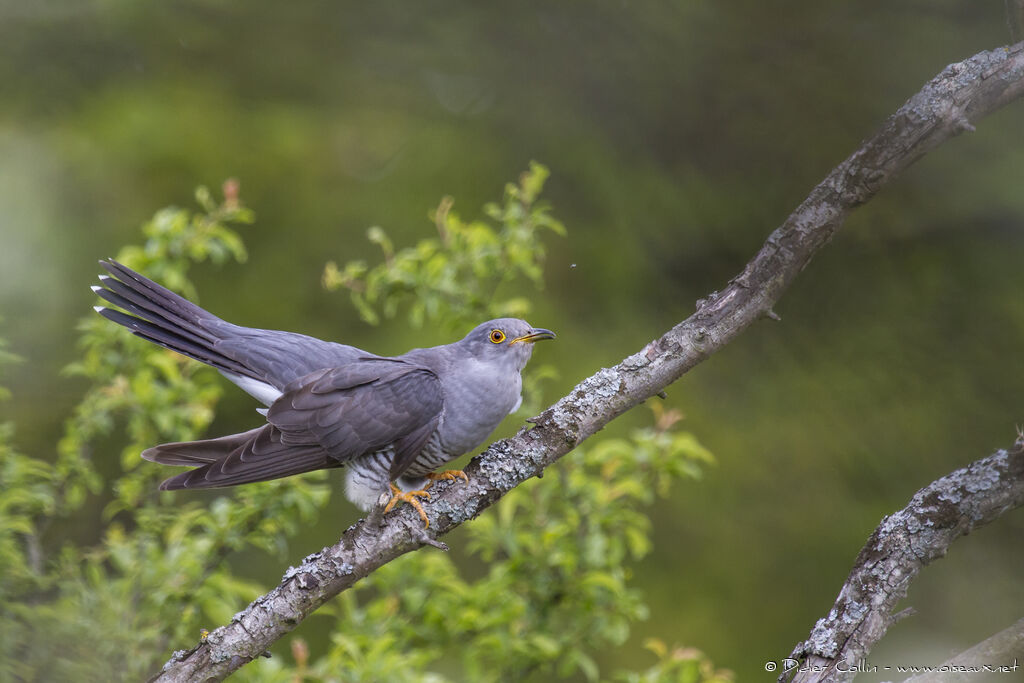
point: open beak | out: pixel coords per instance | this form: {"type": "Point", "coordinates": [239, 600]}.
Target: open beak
{"type": "Point", "coordinates": [534, 335]}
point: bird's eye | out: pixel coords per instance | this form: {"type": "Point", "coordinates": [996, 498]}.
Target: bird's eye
{"type": "Point", "coordinates": [497, 336]}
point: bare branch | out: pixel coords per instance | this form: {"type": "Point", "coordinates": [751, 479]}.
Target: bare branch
{"type": "Point", "coordinates": [897, 551]}
{"type": "Point", "coordinates": [962, 94]}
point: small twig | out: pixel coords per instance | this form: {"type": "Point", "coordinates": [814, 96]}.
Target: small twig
{"type": "Point", "coordinates": [901, 615]}
{"type": "Point", "coordinates": [422, 536]}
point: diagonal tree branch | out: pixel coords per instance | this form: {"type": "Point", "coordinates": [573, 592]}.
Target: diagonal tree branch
{"type": "Point", "coordinates": [998, 653]}
{"type": "Point", "coordinates": [948, 105]}
{"type": "Point", "coordinates": [897, 551]}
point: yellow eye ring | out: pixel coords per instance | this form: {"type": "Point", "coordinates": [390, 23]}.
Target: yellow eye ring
{"type": "Point", "coordinates": [496, 336]}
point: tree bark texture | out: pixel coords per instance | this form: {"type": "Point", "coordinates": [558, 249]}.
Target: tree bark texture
{"type": "Point", "coordinates": [896, 552]}
{"type": "Point", "coordinates": [947, 106]}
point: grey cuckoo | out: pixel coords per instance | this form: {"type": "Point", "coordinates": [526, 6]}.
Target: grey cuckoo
{"type": "Point", "coordinates": [387, 420]}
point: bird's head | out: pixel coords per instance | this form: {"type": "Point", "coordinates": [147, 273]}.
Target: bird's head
{"type": "Point", "coordinates": [508, 340]}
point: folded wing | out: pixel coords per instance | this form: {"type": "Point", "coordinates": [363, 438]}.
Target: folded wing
{"type": "Point", "coordinates": [321, 420]}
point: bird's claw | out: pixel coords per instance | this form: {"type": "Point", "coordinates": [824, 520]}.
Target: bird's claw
{"type": "Point", "coordinates": [398, 495]}
{"type": "Point", "coordinates": [447, 475]}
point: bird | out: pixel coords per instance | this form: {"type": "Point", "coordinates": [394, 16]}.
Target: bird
{"type": "Point", "coordinates": [391, 421]}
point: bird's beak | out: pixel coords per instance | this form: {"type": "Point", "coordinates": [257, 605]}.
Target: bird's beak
{"type": "Point", "coordinates": [534, 335]}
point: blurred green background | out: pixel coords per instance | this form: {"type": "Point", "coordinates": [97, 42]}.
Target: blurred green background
{"type": "Point", "coordinates": [678, 135]}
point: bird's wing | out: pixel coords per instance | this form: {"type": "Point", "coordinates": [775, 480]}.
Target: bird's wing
{"type": "Point", "coordinates": [322, 420]}
{"type": "Point", "coordinates": [361, 408]}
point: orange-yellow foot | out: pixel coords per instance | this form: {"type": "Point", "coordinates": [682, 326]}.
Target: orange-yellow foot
{"type": "Point", "coordinates": [447, 475]}
{"type": "Point", "coordinates": [398, 495]}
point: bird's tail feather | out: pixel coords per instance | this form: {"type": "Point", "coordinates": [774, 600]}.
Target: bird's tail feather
{"type": "Point", "coordinates": [255, 455]}
{"type": "Point", "coordinates": [195, 453]}
{"type": "Point", "coordinates": [164, 318]}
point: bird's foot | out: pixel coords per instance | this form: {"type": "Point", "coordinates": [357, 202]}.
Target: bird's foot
{"type": "Point", "coordinates": [398, 495]}
{"type": "Point", "coordinates": [447, 475]}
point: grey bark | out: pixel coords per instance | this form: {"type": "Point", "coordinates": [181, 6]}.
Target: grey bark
{"type": "Point", "coordinates": [902, 545]}
{"type": "Point", "coordinates": [948, 105]}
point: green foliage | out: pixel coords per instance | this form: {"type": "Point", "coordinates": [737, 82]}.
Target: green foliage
{"type": "Point", "coordinates": [677, 665]}
{"type": "Point", "coordinates": [110, 611]}
{"type": "Point", "coordinates": [556, 589]}
{"type": "Point", "coordinates": [453, 279]}
{"type": "Point", "coordinates": [27, 491]}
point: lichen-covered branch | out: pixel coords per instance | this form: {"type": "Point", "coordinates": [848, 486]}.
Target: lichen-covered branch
{"type": "Point", "coordinates": [948, 105]}
{"type": "Point", "coordinates": [897, 551]}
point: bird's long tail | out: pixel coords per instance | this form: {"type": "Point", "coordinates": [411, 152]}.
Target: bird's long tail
{"type": "Point", "coordinates": [165, 318]}
{"type": "Point", "coordinates": [256, 455]}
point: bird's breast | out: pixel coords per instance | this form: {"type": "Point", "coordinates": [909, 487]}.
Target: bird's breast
{"type": "Point", "coordinates": [476, 400]}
